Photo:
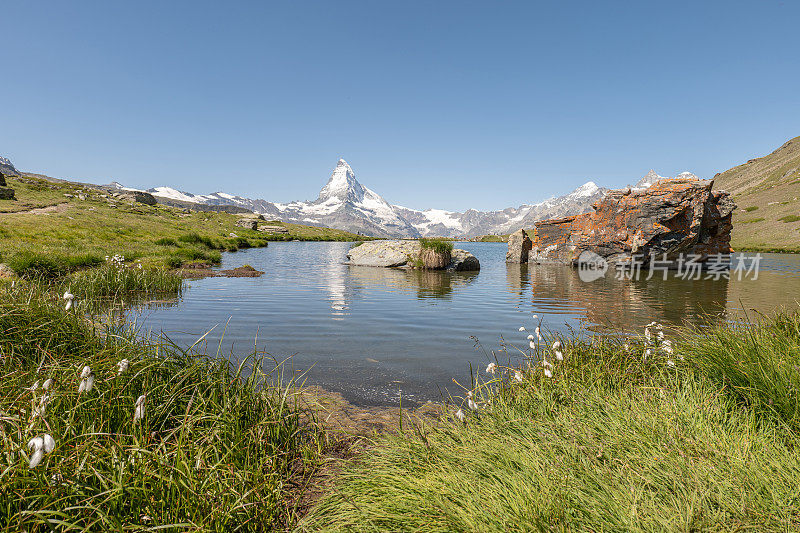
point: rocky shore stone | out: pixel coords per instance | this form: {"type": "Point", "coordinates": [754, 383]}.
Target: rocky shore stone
{"type": "Point", "coordinates": [672, 217]}
{"type": "Point", "coordinates": [519, 246]}
{"type": "Point", "coordinates": [398, 254]}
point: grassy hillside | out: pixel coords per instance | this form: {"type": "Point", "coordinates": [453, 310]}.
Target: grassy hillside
{"type": "Point", "coordinates": [767, 191]}
{"type": "Point", "coordinates": [50, 219]}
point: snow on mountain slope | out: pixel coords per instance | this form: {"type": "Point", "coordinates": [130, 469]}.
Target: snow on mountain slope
{"type": "Point", "coordinates": [344, 203]}
{"type": "Point", "coordinates": [651, 178]}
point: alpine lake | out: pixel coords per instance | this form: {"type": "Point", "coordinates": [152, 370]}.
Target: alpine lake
{"type": "Point", "coordinates": [379, 335]}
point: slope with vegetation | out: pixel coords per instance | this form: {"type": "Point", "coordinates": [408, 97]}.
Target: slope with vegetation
{"type": "Point", "coordinates": [65, 226]}
{"type": "Point", "coordinates": [767, 191]}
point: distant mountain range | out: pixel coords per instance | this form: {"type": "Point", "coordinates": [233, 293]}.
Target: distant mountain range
{"type": "Point", "coordinates": [344, 203]}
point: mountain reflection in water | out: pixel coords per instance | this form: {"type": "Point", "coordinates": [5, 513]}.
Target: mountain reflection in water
{"type": "Point", "coordinates": [374, 333]}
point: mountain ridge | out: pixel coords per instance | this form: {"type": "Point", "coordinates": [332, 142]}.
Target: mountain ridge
{"type": "Point", "coordinates": [343, 202]}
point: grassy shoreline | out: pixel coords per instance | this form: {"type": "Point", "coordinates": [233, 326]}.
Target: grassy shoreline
{"type": "Point", "coordinates": [628, 434]}
{"type": "Point", "coordinates": [85, 225]}
{"type": "Point", "coordinates": [698, 435]}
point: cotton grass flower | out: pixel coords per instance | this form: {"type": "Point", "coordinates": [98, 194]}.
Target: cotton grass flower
{"type": "Point", "coordinates": [33, 387]}
{"type": "Point", "coordinates": [40, 446]}
{"type": "Point", "coordinates": [123, 366]}
{"type": "Point", "coordinates": [518, 376]}
{"type": "Point", "coordinates": [522, 328]}
{"type": "Point", "coordinates": [557, 350]}
{"type": "Point", "coordinates": [69, 297]}
{"type": "Point", "coordinates": [42, 407]}
{"type": "Point", "coordinates": [531, 337]}
{"type": "Point", "coordinates": [461, 416]}
{"type": "Point", "coordinates": [47, 384]}
{"type": "Point", "coordinates": [87, 380]}
{"type": "Point", "coordinates": [532, 345]}
{"type": "Point", "coordinates": [535, 317]}
{"type": "Point", "coordinates": [538, 333]}
{"type": "Point", "coordinates": [491, 368]}
{"type": "Point", "coordinates": [670, 363]}
{"type": "Point", "coordinates": [667, 346]}
{"type": "Point", "coordinates": [471, 404]}
{"type": "Point", "coordinates": [138, 411]}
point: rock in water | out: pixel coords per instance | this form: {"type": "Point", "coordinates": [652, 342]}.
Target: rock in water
{"type": "Point", "coordinates": [519, 246]}
{"type": "Point", "coordinates": [673, 217]}
{"type": "Point", "coordinates": [399, 253]}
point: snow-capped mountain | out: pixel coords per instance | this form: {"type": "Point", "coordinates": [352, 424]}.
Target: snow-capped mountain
{"type": "Point", "coordinates": [651, 178]}
{"type": "Point", "coordinates": [7, 167]}
{"type": "Point", "coordinates": [344, 203]}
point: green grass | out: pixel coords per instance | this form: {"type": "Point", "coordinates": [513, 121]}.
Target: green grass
{"type": "Point", "coordinates": [157, 235]}
{"type": "Point", "coordinates": [751, 221]}
{"type": "Point", "coordinates": [616, 440]}
{"type": "Point", "coordinates": [441, 246]}
{"type": "Point", "coordinates": [219, 448]}
{"type": "Point", "coordinates": [790, 218]}
{"type": "Point", "coordinates": [751, 208]}
{"type": "Point", "coordinates": [112, 282]}
{"type": "Point", "coordinates": [34, 265]}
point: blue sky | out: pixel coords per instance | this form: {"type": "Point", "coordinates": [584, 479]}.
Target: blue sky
{"type": "Point", "coordinates": [452, 105]}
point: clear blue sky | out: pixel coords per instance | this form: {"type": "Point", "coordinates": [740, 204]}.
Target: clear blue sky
{"type": "Point", "coordinates": [434, 104]}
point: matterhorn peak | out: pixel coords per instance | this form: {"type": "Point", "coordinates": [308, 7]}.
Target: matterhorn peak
{"type": "Point", "coordinates": [342, 184]}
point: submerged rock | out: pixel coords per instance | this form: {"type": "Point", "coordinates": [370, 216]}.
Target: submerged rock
{"type": "Point", "coordinates": [672, 217]}
{"type": "Point", "coordinates": [401, 253]}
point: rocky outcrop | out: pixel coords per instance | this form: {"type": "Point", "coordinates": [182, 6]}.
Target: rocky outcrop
{"type": "Point", "coordinates": [135, 197]}
{"type": "Point", "coordinates": [673, 217]}
{"type": "Point", "coordinates": [519, 246]}
{"type": "Point", "coordinates": [404, 254]}
{"type": "Point", "coordinates": [5, 192]}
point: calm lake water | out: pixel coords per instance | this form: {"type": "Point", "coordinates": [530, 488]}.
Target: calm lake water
{"type": "Point", "coordinates": [373, 333]}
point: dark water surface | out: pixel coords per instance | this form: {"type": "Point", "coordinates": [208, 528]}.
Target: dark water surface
{"type": "Point", "coordinates": [370, 333]}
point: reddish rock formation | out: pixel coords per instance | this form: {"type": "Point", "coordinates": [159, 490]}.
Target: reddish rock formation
{"type": "Point", "coordinates": [679, 216]}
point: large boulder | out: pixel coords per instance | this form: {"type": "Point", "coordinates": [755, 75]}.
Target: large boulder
{"type": "Point", "coordinates": [404, 254]}
{"type": "Point", "coordinates": [672, 217]}
{"type": "Point", "coordinates": [141, 197]}
{"type": "Point", "coordinates": [249, 223]}
{"type": "Point", "coordinates": [519, 246]}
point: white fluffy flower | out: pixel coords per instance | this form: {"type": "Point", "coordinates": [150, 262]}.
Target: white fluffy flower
{"type": "Point", "coordinates": [69, 297]}
{"type": "Point", "coordinates": [531, 337]}
{"type": "Point", "coordinates": [538, 333]}
{"type": "Point", "coordinates": [518, 376]}
{"type": "Point", "coordinates": [34, 386]}
{"type": "Point", "coordinates": [532, 345]}
{"type": "Point", "coordinates": [138, 411]}
{"type": "Point", "coordinates": [670, 363]}
{"type": "Point", "coordinates": [559, 356]}
{"type": "Point", "coordinates": [535, 317]}
{"type": "Point", "coordinates": [40, 410]}
{"type": "Point", "coordinates": [548, 372]}
{"type": "Point", "coordinates": [40, 446]}
{"type": "Point", "coordinates": [47, 384]}
{"type": "Point", "coordinates": [87, 380]}
{"type": "Point", "coordinates": [491, 368]}
{"type": "Point", "coordinates": [667, 346]}
{"type": "Point", "coordinates": [522, 328]}
{"type": "Point", "coordinates": [460, 415]}
{"type": "Point", "coordinates": [123, 366]}
{"type": "Point", "coordinates": [557, 345]}
{"type": "Point", "coordinates": [472, 405]}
